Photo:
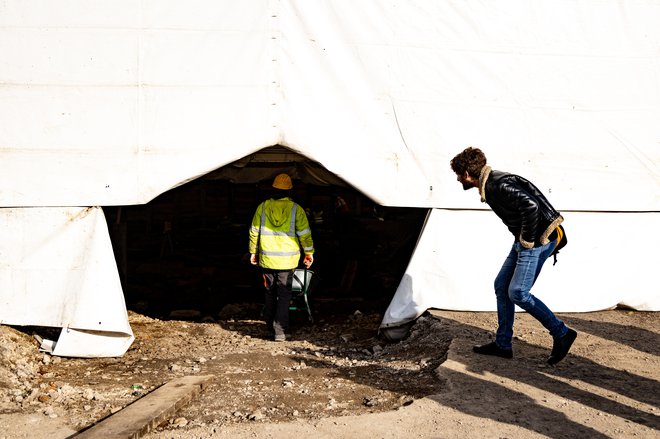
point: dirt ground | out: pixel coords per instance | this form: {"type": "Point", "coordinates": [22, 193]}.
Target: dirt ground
{"type": "Point", "coordinates": [338, 378]}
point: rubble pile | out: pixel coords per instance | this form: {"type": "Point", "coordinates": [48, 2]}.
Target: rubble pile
{"type": "Point", "coordinates": [19, 365]}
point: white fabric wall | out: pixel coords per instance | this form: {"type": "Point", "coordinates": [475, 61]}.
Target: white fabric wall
{"type": "Point", "coordinates": [455, 263]}
{"type": "Point", "coordinates": [57, 269]}
{"type": "Point", "coordinates": [114, 103]}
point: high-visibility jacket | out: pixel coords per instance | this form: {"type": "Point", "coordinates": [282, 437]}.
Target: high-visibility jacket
{"type": "Point", "coordinates": [279, 229]}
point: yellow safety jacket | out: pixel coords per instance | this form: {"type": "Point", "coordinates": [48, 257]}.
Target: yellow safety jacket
{"type": "Point", "coordinates": [279, 228]}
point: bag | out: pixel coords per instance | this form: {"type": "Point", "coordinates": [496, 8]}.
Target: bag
{"type": "Point", "coordinates": [561, 242]}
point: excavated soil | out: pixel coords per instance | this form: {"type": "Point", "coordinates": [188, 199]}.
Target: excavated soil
{"type": "Point", "coordinates": [336, 366]}
{"type": "Point", "coordinates": [340, 368]}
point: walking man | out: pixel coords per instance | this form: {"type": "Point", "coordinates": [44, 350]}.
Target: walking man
{"type": "Point", "coordinates": [535, 225]}
{"type": "Point", "coordinates": [279, 229]}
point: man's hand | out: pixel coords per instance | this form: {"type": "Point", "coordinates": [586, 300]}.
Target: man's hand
{"type": "Point", "coordinates": [309, 259]}
{"type": "Point", "coordinates": [253, 259]}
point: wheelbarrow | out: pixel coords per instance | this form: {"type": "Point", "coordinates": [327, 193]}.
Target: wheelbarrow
{"type": "Point", "coordinates": [300, 287]}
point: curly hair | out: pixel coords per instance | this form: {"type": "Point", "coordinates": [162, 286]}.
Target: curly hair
{"type": "Point", "coordinates": [471, 160]}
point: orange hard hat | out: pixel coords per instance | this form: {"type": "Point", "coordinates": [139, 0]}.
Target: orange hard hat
{"type": "Point", "coordinates": [283, 181]}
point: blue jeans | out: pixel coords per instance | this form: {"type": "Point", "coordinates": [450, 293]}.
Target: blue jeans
{"type": "Point", "coordinates": [512, 287]}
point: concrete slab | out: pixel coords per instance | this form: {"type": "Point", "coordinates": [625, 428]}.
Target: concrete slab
{"type": "Point", "coordinates": [148, 412]}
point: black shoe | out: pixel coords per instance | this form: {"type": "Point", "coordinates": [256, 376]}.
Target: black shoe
{"type": "Point", "coordinates": [561, 346]}
{"type": "Point", "coordinates": [493, 349]}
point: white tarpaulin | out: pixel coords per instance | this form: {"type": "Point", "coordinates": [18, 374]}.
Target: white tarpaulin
{"type": "Point", "coordinates": [114, 103]}
{"type": "Point", "coordinates": [57, 270]}
{"type": "Point", "coordinates": [456, 271]}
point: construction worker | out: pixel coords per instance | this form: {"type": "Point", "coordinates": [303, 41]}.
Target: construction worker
{"type": "Point", "coordinates": [279, 230]}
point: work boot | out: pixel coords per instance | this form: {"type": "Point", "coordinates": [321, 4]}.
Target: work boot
{"type": "Point", "coordinates": [493, 349]}
{"type": "Point", "coordinates": [561, 346]}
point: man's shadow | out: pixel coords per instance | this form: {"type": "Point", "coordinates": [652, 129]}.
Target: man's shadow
{"type": "Point", "coordinates": [507, 405]}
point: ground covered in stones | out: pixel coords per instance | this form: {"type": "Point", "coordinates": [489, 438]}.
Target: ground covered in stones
{"type": "Point", "coordinates": [336, 366]}
{"type": "Point", "coordinates": [337, 377]}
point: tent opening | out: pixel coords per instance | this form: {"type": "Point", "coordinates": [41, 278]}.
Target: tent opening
{"type": "Point", "coordinates": [184, 254]}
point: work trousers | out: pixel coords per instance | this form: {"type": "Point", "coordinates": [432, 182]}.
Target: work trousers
{"type": "Point", "coordinates": [277, 298]}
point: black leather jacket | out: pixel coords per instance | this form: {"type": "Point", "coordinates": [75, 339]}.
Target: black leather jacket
{"type": "Point", "coordinates": [520, 205]}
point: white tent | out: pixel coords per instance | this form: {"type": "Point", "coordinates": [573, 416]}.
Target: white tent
{"type": "Point", "coordinates": [113, 103]}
